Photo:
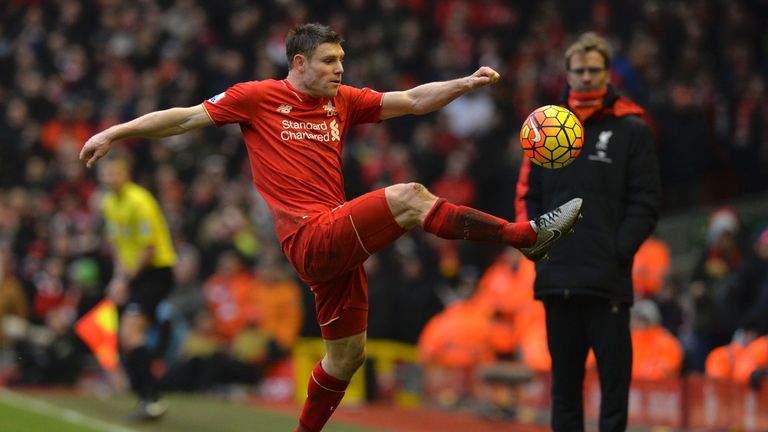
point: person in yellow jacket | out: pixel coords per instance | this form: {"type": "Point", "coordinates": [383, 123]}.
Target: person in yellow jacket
{"type": "Point", "coordinates": [142, 276]}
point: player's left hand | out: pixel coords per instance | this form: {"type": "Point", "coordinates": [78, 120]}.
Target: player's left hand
{"type": "Point", "coordinates": [118, 290]}
{"type": "Point", "coordinates": [484, 76]}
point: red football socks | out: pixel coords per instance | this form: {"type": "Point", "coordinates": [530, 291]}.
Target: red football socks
{"type": "Point", "coordinates": [323, 396]}
{"type": "Point", "coordinates": [453, 222]}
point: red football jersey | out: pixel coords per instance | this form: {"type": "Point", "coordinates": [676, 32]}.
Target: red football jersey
{"type": "Point", "coordinates": [294, 142]}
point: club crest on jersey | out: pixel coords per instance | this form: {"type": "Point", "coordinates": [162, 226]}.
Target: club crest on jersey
{"type": "Point", "coordinates": [217, 98]}
{"type": "Point", "coordinates": [285, 109]}
{"type": "Point", "coordinates": [602, 147]}
{"type": "Point", "coordinates": [330, 109]}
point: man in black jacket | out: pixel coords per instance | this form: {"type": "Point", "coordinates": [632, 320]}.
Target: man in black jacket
{"type": "Point", "coordinates": [586, 284]}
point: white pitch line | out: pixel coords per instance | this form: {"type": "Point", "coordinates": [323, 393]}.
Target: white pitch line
{"type": "Point", "coordinates": [49, 410]}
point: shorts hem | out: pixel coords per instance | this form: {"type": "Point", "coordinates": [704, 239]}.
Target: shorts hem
{"type": "Point", "coordinates": [349, 322]}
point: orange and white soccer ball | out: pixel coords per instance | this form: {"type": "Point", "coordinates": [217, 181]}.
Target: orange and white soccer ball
{"type": "Point", "coordinates": [552, 136]}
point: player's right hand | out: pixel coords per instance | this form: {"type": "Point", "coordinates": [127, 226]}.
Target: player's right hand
{"type": "Point", "coordinates": [96, 147]}
{"type": "Point", "coordinates": [484, 76]}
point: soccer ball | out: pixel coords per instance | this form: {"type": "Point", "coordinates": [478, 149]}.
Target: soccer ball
{"type": "Point", "coordinates": [552, 136]}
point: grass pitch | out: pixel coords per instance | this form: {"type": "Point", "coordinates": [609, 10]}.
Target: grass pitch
{"type": "Point", "coordinates": [64, 412]}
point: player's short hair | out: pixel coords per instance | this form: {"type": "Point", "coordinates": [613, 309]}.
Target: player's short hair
{"type": "Point", "coordinates": [305, 38]}
{"type": "Point", "coordinates": [587, 42]}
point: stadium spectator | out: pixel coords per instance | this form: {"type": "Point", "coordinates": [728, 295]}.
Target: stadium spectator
{"type": "Point", "coordinates": [458, 337]}
{"type": "Point", "coordinates": [325, 238]}
{"type": "Point", "coordinates": [671, 307]}
{"type": "Point", "coordinates": [586, 286]}
{"type": "Point", "coordinates": [187, 297]}
{"type": "Point", "coordinates": [50, 289]}
{"type": "Point", "coordinates": [415, 292]}
{"type": "Point", "coordinates": [65, 132]}
{"type": "Point", "coordinates": [230, 295]}
{"type": "Point", "coordinates": [746, 299]}
{"type": "Point", "coordinates": [683, 124]}
{"type": "Point", "coordinates": [279, 299]}
{"type": "Point", "coordinates": [721, 361]}
{"type": "Point", "coordinates": [656, 353]}
{"type": "Point", "coordinates": [531, 328]}
{"type": "Point", "coordinates": [750, 134]}
{"type": "Point", "coordinates": [651, 267]}
{"type": "Point", "coordinates": [403, 290]}
{"type": "Point", "coordinates": [48, 353]}
{"type": "Point", "coordinates": [19, 132]}
{"type": "Point", "coordinates": [452, 345]}
{"type": "Point", "coordinates": [752, 364]}
{"type": "Point", "coordinates": [457, 187]}
{"type": "Point", "coordinates": [711, 275]}
{"type": "Point", "coordinates": [194, 369]}
{"type": "Point", "coordinates": [506, 287]}
{"type": "Point", "coordinates": [13, 301]}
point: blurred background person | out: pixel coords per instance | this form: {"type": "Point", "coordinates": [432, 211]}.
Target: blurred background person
{"type": "Point", "coordinates": [14, 307]}
{"type": "Point", "coordinates": [586, 286]}
{"type": "Point", "coordinates": [142, 277]}
{"type": "Point", "coordinates": [721, 361]}
{"type": "Point", "coordinates": [713, 272]}
{"type": "Point", "coordinates": [656, 353]}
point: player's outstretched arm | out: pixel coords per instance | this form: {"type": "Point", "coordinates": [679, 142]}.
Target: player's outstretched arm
{"type": "Point", "coordinates": [435, 95]}
{"type": "Point", "coordinates": [156, 124]}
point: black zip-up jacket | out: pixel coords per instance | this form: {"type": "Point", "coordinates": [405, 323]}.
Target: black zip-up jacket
{"type": "Point", "coordinates": [617, 175]}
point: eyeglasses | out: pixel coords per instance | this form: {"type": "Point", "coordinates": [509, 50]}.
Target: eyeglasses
{"type": "Point", "coordinates": [591, 70]}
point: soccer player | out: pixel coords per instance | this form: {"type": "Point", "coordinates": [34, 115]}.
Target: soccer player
{"type": "Point", "coordinates": [294, 130]}
{"type": "Point", "coordinates": [142, 277]}
{"type": "Point", "coordinates": [586, 285]}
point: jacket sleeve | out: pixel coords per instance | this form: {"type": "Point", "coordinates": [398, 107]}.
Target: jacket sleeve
{"type": "Point", "coordinates": [527, 192]}
{"type": "Point", "coordinates": [643, 193]}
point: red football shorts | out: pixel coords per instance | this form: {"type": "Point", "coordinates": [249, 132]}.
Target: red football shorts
{"type": "Point", "coordinates": [328, 252]}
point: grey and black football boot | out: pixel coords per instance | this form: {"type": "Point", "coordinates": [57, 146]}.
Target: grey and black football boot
{"type": "Point", "coordinates": [551, 227]}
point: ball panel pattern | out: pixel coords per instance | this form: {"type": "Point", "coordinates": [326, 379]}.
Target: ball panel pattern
{"type": "Point", "coordinates": [552, 136]}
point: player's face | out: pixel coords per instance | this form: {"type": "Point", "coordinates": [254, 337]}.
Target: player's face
{"type": "Point", "coordinates": [323, 70]}
{"type": "Point", "coordinates": [113, 174]}
{"type": "Point", "coordinates": [587, 72]}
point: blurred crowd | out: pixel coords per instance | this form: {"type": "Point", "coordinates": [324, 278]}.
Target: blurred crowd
{"type": "Point", "coordinates": [69, 68]}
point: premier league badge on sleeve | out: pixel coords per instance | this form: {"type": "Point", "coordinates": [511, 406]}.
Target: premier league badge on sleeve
{"type": "Point", "coordinates": [217, 98]}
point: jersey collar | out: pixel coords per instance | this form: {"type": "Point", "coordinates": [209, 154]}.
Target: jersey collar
{"type": "Point", "coordinates": [301, 96]}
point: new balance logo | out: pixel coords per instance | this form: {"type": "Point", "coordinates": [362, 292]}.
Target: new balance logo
{"type": "Point", "coordinates": [285, 109]}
